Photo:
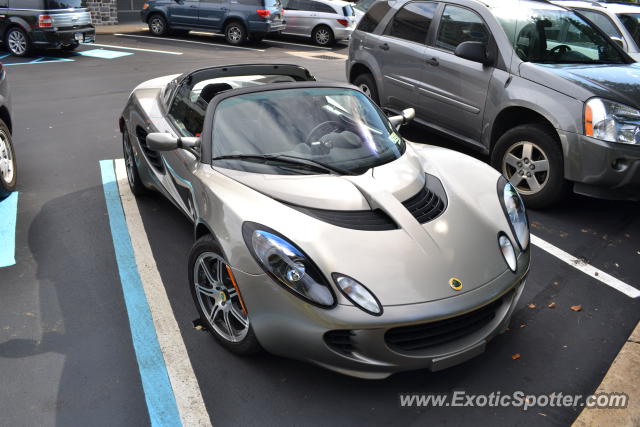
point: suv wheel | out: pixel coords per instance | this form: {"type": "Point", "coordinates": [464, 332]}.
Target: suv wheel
{"type": "Point", "coordinates": [235, 33]}
{"type": "Point", "coordinates": [530, 157]}
{"type": "Point", "coordinates": [323, 36]}
{"type": "Point", "coordinates": [7, 162]}
{"type": "Point", "coordinates": [158, 25]}
{"type": "Point", "coordinates": [17, 42]}
{"type": "Point", "coordinates": [368, 86]}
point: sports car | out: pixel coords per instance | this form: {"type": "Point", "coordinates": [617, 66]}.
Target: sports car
{"type": "Point", "coordinates": [320, 233]}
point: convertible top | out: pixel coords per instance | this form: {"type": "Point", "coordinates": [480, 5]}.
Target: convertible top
{"type": "Point", "coordinates": [296, 72]}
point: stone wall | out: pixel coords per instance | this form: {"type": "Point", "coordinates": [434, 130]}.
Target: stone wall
{"type": "Point", "coordinates": [103, 12]}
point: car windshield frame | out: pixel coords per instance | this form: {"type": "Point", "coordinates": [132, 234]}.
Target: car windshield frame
{"type": "Point", "coordinates": [530, 28]}
{"type": "Point", "coordinates": [366, 135]}
{"type": "Point", "coordinates": [635, 35]}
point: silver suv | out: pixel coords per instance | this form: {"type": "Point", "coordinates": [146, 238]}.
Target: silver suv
{"type": "Point", "coordinates": [552, 100]}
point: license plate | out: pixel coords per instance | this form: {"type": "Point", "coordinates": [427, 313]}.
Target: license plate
{"type": "Point", "coordinates": [79, 37]}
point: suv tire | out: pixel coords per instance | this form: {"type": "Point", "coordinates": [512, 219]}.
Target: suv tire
{"type": "Point", "coordinates": [235, 33]}
{"type": "Point", "coordinates": [323, 36]}
{"type": "Point", "coordinates": [158, 25]}
{"type": "Point", "coordinates": [17, 42]}
{"type": "Point", "coordinates": [531, 156]}
{"type": "Point", "coordinates": [7, 159]}
{"type": "Point", "coordinates": [366, 84]}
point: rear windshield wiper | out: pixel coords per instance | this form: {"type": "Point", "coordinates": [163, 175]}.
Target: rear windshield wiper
{"type": "Point", "coordinates": [284, 158]}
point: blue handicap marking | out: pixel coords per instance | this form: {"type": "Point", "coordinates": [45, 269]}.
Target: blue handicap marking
{"type": "Point", "coordinates": [104, 53]}
{"type": "Point", "coordinates": [40, 60]}
{"type": "Point", "coordinates": [8, 220]}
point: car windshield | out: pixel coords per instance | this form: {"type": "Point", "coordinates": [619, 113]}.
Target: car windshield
{"type": "Point", "coordinates": [632, 22]}
{"type": "Point", "coordinates": [335, 127]}
{"type": "Point", "coordinates": [546, 34]}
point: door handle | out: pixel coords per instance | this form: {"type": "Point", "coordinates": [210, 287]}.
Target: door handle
{"type": "Point", "coordinates": [432, 61]}
{"type": "Point", "coordinates": [384, 46]}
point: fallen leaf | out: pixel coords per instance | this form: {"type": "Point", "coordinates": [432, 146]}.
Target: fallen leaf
{"type": "Point", "coordinates": [584, 230]}
{"type": "Point", "coordinates": [552, 305]}
{"type": "Point", "coordinates": [199, 328]}
{"type": "Point", "coordinates": [576, 307]}
{"type": "Point", "coordinates": [627, 235]}
{"type": "Point", "coordinates": [531, 305]}
{"type": "Point", "coordinates": [556, 283]}
{"type": "Point", "coordinates": [523, 325]}
{"type": "Point", "coordinates": [515, 356]}
{"type": "Point", "coordinates": [542, 413]}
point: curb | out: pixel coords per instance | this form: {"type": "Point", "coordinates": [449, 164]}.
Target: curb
{"type": "Point", "coordinates": [122, 28]}
{"type": "Point", "coordinates": [623, 377]}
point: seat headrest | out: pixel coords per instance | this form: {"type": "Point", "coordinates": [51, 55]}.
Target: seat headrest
{"type": "Point", "coordinates": [212, 89]}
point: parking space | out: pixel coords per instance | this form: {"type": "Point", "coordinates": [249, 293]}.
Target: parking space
{"type": "Point", "coordinates": [71, 327]}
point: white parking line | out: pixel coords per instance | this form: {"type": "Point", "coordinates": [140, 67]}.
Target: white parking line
{"type": "Point", "coordinates": [183, 380]}
{"type": "Point", "coordinates": [587, 269]}
{"type": "Point", "coordinates": [133, 48]}
{"type": "Point", "coordinates": [190, 41]}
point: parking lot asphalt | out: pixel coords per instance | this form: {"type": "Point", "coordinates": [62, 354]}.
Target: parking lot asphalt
{"type": "Point", "coordinates": [66, 353]}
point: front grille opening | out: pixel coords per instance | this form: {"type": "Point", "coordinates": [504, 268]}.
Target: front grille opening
{"type": "Point", "coordinates": [340, 341]}
{"type": "Point", "coordinates": [427, 335]}
{"type": "Point", "coordinates": [152, 156]}
{"type": "Point", "coordinates": [369, 220]}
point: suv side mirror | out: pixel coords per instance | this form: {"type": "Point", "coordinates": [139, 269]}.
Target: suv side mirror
{"type": "Point", "coordinates": [157, 141]}
{"type": "Point", "coordinates": [404, 118]}
{"type": "Point", "coordinates": [473, 51]}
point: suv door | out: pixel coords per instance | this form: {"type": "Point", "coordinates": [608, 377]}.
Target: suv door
{"type": "Point", "coordinates": [184, 12]}
{"type": "Point", "coordinates": [400, 52]}
{"type": "Point", "coordinates": [212, 13]}
{"type": "Point", "coordinates": [455, 90]}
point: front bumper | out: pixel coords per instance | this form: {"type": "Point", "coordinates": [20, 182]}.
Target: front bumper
{"type": "Point", "coordinates": [602, 169]}
{"type": "Point", "coordinates": [286, 326]}
{"type": "Point", "coordinates": [56, 38]}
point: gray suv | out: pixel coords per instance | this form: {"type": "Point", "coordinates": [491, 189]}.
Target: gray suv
{"type": "Point", "coordinates": [7, 153]}
{"type": "Point", "coordinates": [552, 100]}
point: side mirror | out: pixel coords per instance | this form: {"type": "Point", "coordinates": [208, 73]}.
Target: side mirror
{"type": "Point", "coordinates": [473, 51]}
{"type": "Point", "coordinates": [157, 141]}
{"type": "Point", "coordinates": [407, 116]}
{"type": "Point", "coordinates": [619, 42]}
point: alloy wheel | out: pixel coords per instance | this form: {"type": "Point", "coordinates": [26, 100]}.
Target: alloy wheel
{"type": "Point", "coordinates": [365, 89]}
{"type": "Point", "coordinates": [157, 26]}
{"type": "Point", "coordinates": [129, 160]}
{"type": "Point", "coordinates": [235, 34]}
{"type": "Point", "coordinates": [219, 298]}
{"type": "Point", "coordinates": [526, 166]}
{"type": "Point", "coordinates": [323, 36]}
{"type": "Point", "coordinates": [17, 42]}
{"type": "Point", "coordinates": [6, 159]}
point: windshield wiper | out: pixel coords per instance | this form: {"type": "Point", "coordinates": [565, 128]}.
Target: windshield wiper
{"type": "Point", "coordinates": [284, 158]}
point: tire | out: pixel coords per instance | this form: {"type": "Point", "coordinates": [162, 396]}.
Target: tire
{"type": "Point", "coordinates": [8, 170]}
{"type": "Point", "coordinates": [323, 36]}
{"type": "Point", "coordinates": [17, 42]}
{"type": "Point", "coordinates": [530, 154]}
{"type": "Point", "coordinates": [367, 84]}
{"type": "Point", "coordinates": [235, 33]}
{"type": "Point", "coordinates": [220, 297]}
{"type": "Point", "coordinates": [70, 48]}
{"type": "Point", "coordinates": [133, 176]}
{"type": "Point", "coordinates": [158, 25]}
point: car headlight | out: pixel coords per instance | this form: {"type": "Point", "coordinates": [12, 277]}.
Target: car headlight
{"type": "Point", "coordinates": [612, 121]}
{"type": "Point", "coordinates": [358, 294]}
{"type": "Point", "coordinates": [513, 207]}
{"type": "Point", "coordinates": [508, 252]}
{"type": "Point", "coordinates": [287, 265]}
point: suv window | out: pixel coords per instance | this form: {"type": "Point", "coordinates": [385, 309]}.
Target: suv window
{"type": "Point", "coordinates": [602, 21]}
{"type": "Point", "coordinates": [372, 18]}
{"type": "Point", "coordinates": [63, 4]}
{"type": "Point", "coordinates": [299, 5]}
{"type": "Point", "coordinates": [632, 22]}
{"type": "Point", "coordinates": [412, 22]}
{"type": "Point", "coordinates": [459, 25]}
{"type": "Point", "coordinates": [323, 8]}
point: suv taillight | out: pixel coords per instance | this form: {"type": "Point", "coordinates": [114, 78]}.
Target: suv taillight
{"type": "Point", "coordinates": [343, 22]}
{"type": "Point", "coordinates": [264, 13]}
{"type": "Point", "coordinates": [45, 21]}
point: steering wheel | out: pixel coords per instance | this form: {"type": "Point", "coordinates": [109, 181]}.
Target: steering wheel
{"type": "Point", "coordinates": [561, 49]}
{"type": "Point", "coordinates": [326, 127]}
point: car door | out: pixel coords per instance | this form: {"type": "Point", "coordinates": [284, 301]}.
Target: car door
{"type": "Point", "coordinates": [400, 52]}
{"type": "Point", "coordinates": [292, 16]}
{"type": "Point", "coordinates": [4, 17]}
{"type": "Point", "coordinates": [212, 13]}
{"type": "Point", "coordinates": [184, 12]}
{"type": "Point", "coordinates": [454, 90]}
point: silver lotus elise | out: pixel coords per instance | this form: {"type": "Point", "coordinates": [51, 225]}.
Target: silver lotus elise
{"type": "Point", "coordinates": [321, 234]}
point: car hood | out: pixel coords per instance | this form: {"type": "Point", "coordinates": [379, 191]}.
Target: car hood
{"type": "Point", "coordinates": [407, 265]}
{"type": "Point", "coordinates": [616, 82]}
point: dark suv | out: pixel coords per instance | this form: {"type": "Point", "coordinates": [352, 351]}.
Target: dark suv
{"type": "Point", "coordinates": [58, 24]}
{"type": "Point", "coordinates": [239, 20]}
